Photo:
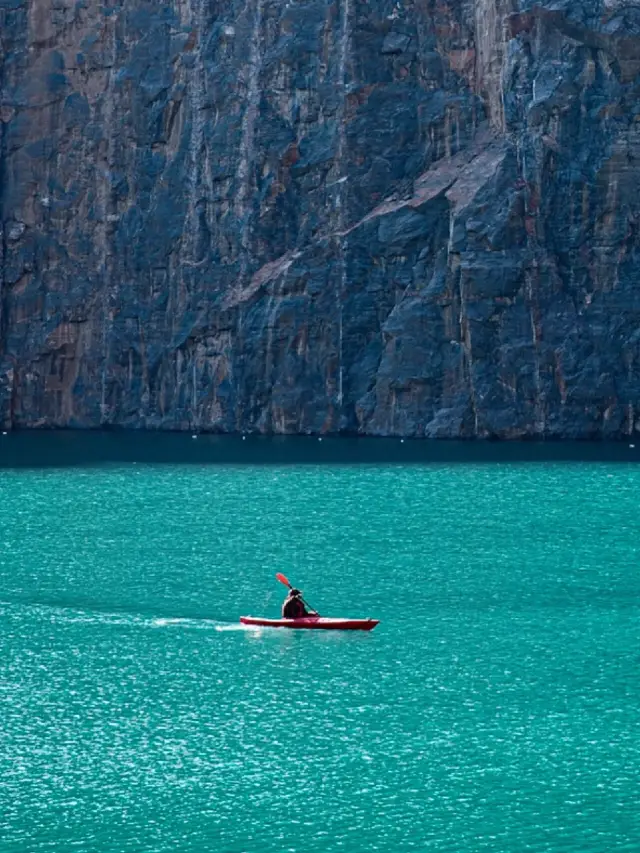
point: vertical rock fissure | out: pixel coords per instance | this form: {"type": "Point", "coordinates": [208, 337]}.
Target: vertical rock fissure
{"type": "Point", "coordinates": [465, 336]}
{"type": "Point", "coordinates": [242, 205]}
{"type": "Point", "coordinates": [271, 312]}
{"type": "Point", "coordinates": [196, 193]}
{"type": "Point", "coordinates": [531, 196]}
{"type": "Point", "coordinates": [532, 281]}
{"type": "Point", "coordinates": [104, 231]}
{"type": "Point", "coordinates": [342, 196]}
{"type": "Point", "coordinates": [6, 404]}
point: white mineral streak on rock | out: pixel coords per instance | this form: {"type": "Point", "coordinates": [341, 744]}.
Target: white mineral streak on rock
{"type": "Point", "coordinates": [244, 171]}
{"type": "Point", "coordinates": [490, 46]}
{"type": "Point", "coordinates": [196, 95]}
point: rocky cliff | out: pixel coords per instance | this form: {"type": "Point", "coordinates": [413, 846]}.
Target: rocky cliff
{"type": "Point", "coordinates": [412, 217]}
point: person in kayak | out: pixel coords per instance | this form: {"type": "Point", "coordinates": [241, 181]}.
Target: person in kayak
{"type": "Point", "coordinates": [293, 606]}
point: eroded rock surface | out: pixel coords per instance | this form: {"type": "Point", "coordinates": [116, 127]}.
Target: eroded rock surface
{"type": "Point", "coordinates": [381, 216]}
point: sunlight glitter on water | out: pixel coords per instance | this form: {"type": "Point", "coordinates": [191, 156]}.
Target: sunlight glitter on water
{"type": "Point", "coordinates": [493, 709]}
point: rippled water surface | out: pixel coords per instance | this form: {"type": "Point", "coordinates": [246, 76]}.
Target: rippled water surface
{"type": "Point", "coordinates": [495, 708]}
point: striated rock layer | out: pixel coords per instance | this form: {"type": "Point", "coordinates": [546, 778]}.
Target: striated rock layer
{"type": "Point", "coordinates": [393, 217]}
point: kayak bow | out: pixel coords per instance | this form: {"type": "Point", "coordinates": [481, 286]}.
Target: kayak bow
{"type": "Point", "coordinates": [313, 623]}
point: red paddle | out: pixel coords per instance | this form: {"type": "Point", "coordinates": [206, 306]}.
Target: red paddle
{"type": "Point", "coordinates": [284, 580]}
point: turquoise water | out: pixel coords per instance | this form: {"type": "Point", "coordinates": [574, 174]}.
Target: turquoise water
{"type": "Point", "coordinates": [495, 708]}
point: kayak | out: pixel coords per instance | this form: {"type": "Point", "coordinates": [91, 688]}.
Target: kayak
{"type": "Point", "coordinates": [313, 622]}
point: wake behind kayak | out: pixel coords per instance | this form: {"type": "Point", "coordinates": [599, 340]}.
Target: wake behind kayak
{"type": "Point", "coordinates": [313, 623]}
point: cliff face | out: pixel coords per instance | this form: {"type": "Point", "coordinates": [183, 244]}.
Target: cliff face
{"type": "Point", "coordinates": [387, 216]}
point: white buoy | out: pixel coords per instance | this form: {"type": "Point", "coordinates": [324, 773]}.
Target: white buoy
{"type": "Point", "coordinates": [194, 436]}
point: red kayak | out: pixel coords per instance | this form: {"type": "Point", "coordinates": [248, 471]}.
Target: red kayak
{"type": "Point", "coordinates": [313, 622]}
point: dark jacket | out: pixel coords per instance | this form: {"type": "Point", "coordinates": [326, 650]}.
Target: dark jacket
{"type": "Point", "coordinates": [293, 608]}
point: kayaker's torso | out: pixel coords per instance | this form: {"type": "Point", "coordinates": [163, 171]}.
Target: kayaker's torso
{"type": "Point", "coordinates": [293, 608]}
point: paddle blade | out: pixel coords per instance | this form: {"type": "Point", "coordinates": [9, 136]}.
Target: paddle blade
{"type": "Point", "coordinates": [283, 579]}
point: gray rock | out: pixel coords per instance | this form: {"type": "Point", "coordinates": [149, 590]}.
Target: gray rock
{"type": "Point", "coordinates": [395, 43]}
{"type": "Point", "coordinates": [269, 217]}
